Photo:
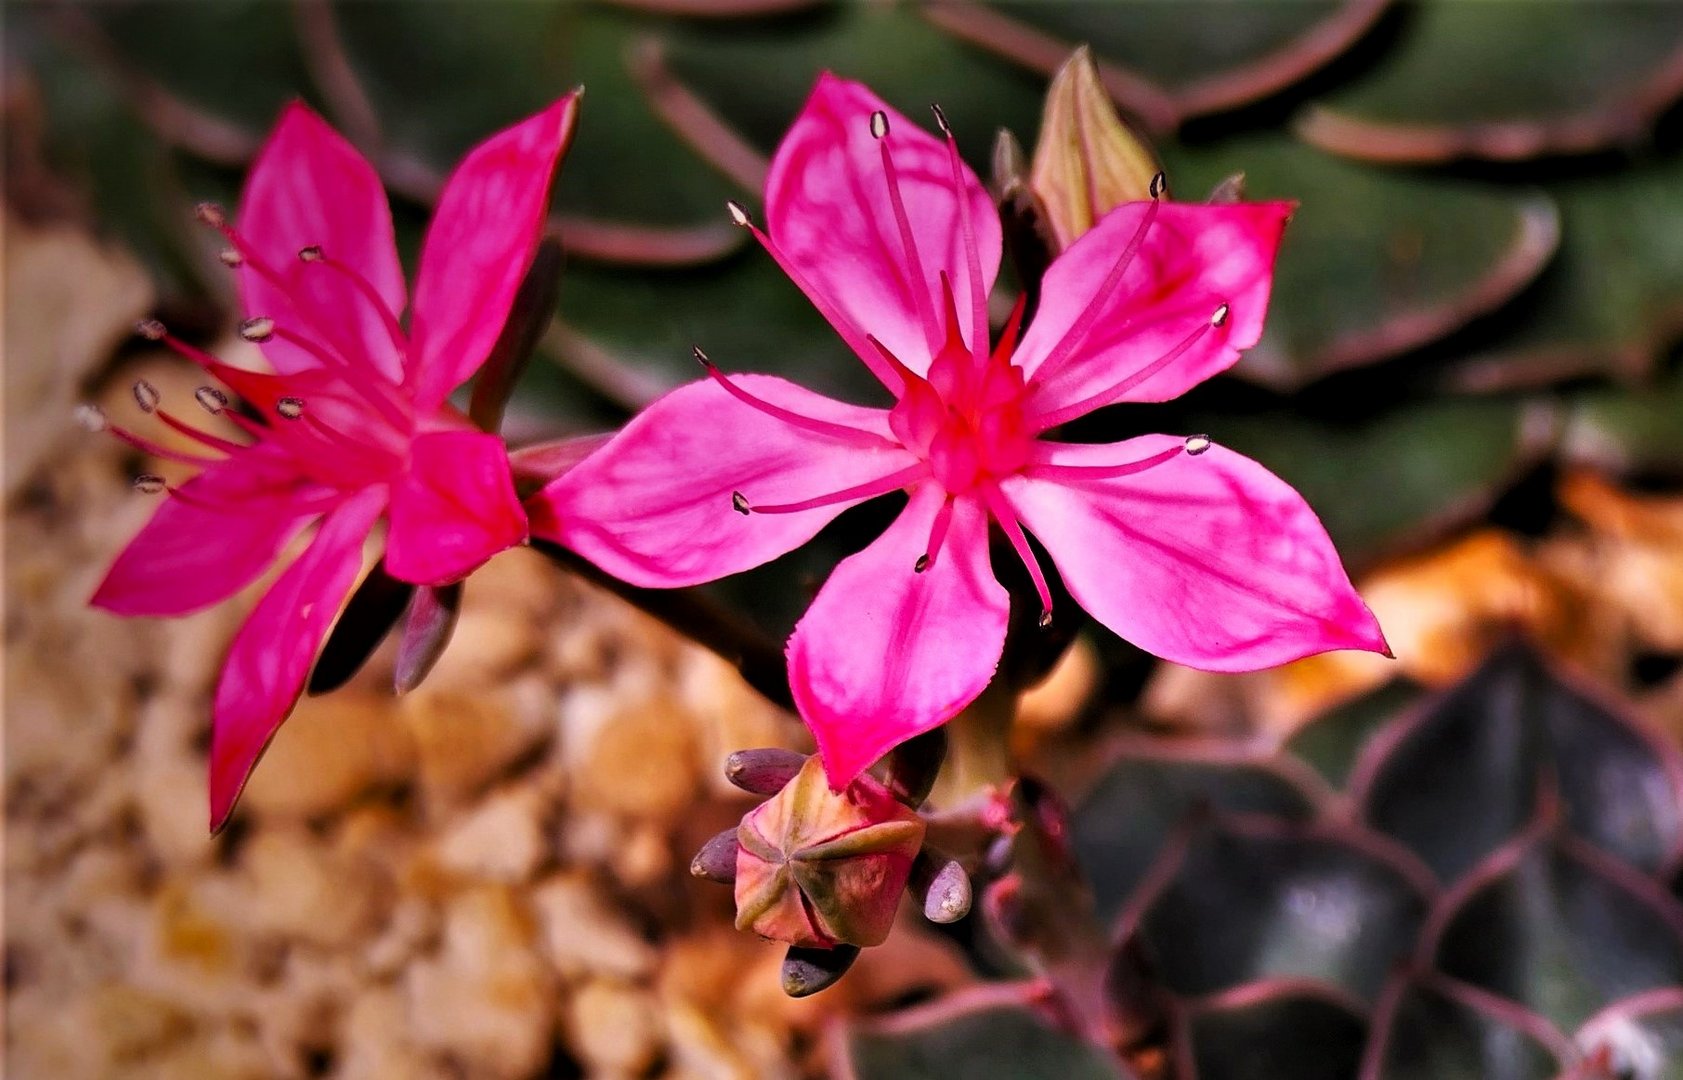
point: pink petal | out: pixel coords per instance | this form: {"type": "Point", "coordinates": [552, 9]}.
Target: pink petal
{"type": "Point", "coordinates": [453, 509]}
{"type": "Point", "coordinates": [1191, 260]}
{"type": "Point", "coordinates": [885, 653]}
{"type": "Point", "coordinates": [273, 651]}
{"type": "Point", "coordinates": [653, 506]}
{"type": "Point", "coordinates": [309, 188]}
{"type": "Point", "coordinates": [830, 213]}
{"type": "Point", "coordinates": [1210, 560]}
{"type": "Point", "coordinates": [480, 244]}
{"type": "Point", "coordinates": [189, 557]}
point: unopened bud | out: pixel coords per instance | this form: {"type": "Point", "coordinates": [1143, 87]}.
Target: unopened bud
{"type": "Point", "coordinates": [764, 771]}
{"type": "Point", "coordinates": [942, 886]}
{"type": "Point", "coordinates": [1087, 161]}
{"type": "Point", "coordinates": [807, 971]}
{"type": "Point", "coordinates": [716, 861]}
{"type": "Point", "coordinates": [820, 868]}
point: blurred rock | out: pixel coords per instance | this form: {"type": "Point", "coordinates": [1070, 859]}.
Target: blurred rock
{"type": "Point", "coordinates": [615, 1029]}
{"type": "Point", "coordinates": [633, 760]}
{"type": "Point", "coordinates": [487, 1001]}
{"type": "Point", "coordinates": [1056, 701]}
{"type": "Point", "coordinates": [300, 890]}
{"type": "Point", "coordinates": [583, 934]}
{"type": "Point", "coordinates": [464, 740]}
{"type": "Point", "coordinates": [330, 750]}
{"type": "Point", "coordinates": [69, 301]}
{"type": "Point", "coordinates": [375, 1041]}
{"type": "Point", "coordinates": [504, 839]}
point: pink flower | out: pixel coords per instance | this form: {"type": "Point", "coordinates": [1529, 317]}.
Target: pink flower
{"type": "Point", "coordinates": [1187, 549]}
{"type": "Point", "coordinates": [355, 420]}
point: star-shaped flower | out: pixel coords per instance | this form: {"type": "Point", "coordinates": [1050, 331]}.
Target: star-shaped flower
{"type": "Point", "coordinates": [1189, 550]}
{"type": "Point", "coordinates": [354, 423]}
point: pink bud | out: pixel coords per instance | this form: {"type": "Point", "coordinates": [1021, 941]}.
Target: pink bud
{"type": "Point", "coordinates": [820, 868]}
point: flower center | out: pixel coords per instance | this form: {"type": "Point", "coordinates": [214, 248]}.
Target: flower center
{"type": "Point", "coordinates": [965, 418]}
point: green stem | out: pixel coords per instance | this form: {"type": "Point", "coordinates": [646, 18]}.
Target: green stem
{"type": "Point", "coordinates": [978, 748]}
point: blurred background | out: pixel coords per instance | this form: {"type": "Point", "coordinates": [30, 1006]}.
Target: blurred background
{"type": "Point", "coordinates": [1472, 371]}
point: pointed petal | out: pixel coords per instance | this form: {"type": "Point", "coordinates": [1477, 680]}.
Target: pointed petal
{"type": "Point", "coordinates": [653, 506]}
{"type": "Point", "coordinates": [309, 187]}
{"type": "Point", "coordinates": [480, 243]}
{"type": "Point", "coordinates": [189, 557]}
{"type": "Point", "coordinates": [273, 651]}
{"type": "Point", "coordinates": [1191, 260]}
{"type": "Point", "coordinates": [829, 211]}
{"type": "Point", "coordinates": [454, 508]}
{"type": "Point", "coordinates": [885, 653]}
{"type": "Point", "coordinates": [1210, 560]}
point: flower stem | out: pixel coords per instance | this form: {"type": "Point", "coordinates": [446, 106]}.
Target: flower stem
{"type": "Point", "coordinates": [978, 748]}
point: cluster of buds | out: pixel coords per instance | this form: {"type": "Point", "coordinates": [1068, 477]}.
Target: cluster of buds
{"type": "Point", "coordinates": [823, 870]}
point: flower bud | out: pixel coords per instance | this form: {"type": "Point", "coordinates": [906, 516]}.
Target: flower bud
{"type": "Point", "coordinates": [1087, 161]}
{"type": "Point", "coordinates": [819, 868]}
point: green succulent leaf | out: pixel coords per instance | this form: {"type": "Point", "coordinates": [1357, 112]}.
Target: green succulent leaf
{"type": "Point", "coordinates": [1271, 901]}
{"type": "Point", "coordinates": [1631, 429]}
{"type": "Point", "coordinates": [1433, 1037]}
{"type": "Point", "coordinates": [93, 139]}
{"type": "Point", "coordinates": [237, 60]}
{"type": "Point", "coordinates": [507, 60]}
{"type": "Point", "coordinates": [1332, 742]}
{"type": "Point", "coordinates": [1376, 262]}
{"type": "Point", "coordinates": [907, 61]}
{"type": "Point", "coordinates": [1166, 63]}
{"type": "Point", "coordinates": [1437, 463]}
{"type": "Point", "coordinates": [1508, 81]}
{"type": "Point", "coordinates": [1563, 930]}
{"type": "Point", "coordinates": [1120, 827]}
{"type": "Point", "coordinates": [1492, 743]}
{"type": "Point", "coordinates": [1277, 1033]}
{"type": "Point", "coordinates": [985, 1036]}
{"type": "Point", "coordinates": [1612, 301]}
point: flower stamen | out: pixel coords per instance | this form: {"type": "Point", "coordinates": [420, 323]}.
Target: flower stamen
{"type": "Point", "coordinates": [843, 325]}
{"type": "Point", "coordinates": [870, 489]}
{"type": "Point", "coordinates": [855, 435]}
{"type": "Point", "coordinates": [937, 537]}
{"type": "Point", "coordinates": [919, 283]}
{"type": "Point", "coordinates": [1084, 322]}
{"type": "Point", "coordinates": [1002, 513]}
{"type": "Point", "coordinates": [972, 257]}
{"type": "Point", "coordinates": [1078, 473]}
{"type": "Point", "coordinates": [1109, 394]}
{"type": "Point", "coordinates": [313, 255]}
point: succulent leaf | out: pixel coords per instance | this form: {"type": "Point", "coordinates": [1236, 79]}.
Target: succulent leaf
{"type": "Point", "coordinates": [1275, 1031]}
{"type": "Point", "coordinates": [1429, 1036]}
{"type": "Point", "coordinates": [1439, 463]}
{"type": "Point", "coordinates": [1576, 930]}
{"type": "Point", "coordinates": [1640, 1037]}
{"type": "Point", "coordinates": [1165, 63]}
{"type": "Point", "coordinates": [1120, 826]}
{"type": "Point", "coordinates": [1333, 741]}
{"type": "Point", "coordinates": [987, 1035]}
{"type": "Point", "coordinates": [1491, 744]}
{"type": "Point", "coordinates": [1375, 262]}
{"type": "Point", "coordinates": [1609, 303]}
{"type": "Point", "coordinates": [1509, 81]}
{"type": "Point", "coordinates": [1263, 901]}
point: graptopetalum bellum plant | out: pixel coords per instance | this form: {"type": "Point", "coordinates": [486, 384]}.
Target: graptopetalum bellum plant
{"type": "Point", "coordinates": [1318, 912]}
{"type": "Point", "coordinates": [1443, 305]}
{"type": "Point", "coordinates": [1189, 550]}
